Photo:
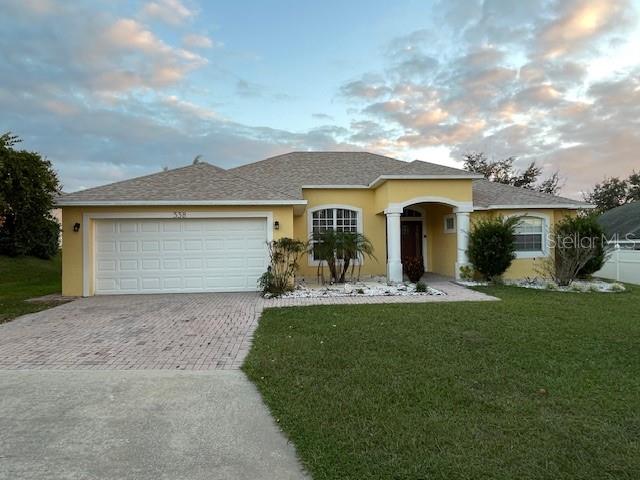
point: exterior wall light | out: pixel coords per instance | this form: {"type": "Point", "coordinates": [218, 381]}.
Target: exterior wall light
{"type": "Point", "coordinates": [76, 227]}
{"type": "Point", "coordinates": [276, 225]}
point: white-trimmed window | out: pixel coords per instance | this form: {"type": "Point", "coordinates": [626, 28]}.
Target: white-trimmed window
{"type": "Point", "coordinates": [338, 218]}
{"type": "Point", "coordinates": [530, 237]}
{"type": "Point", "coordinates": [450, 223]}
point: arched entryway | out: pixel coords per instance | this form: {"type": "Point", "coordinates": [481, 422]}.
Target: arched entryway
{"type": "Point", "coordinates": [443, 226]}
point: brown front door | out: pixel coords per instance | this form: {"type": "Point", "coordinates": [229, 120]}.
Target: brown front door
{"type": "Point", "coordinates": [411, 240]}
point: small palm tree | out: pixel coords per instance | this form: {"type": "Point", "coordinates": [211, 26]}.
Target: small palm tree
{"type": "Point", "coordinates": [340, 250]}
{"type": "Point", "coordinates": [354, 247]}
{"type": "Point", "coordinates": [323, 246]}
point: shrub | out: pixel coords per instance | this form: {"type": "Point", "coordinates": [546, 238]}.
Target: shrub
{"type": "Point", "coordinates": [585, 228]}
{"type": "Point", "coordinates": [414, 268]}
{"type": "Point", "coordinates": [575, 244]}
{"type": "Point", "coordinates": [467, 273]}
{"type": "Point", "coordinates": [492, 246]}
{"type": "Point", "coordinates": [283, 254]}
{"type": "Point", "coordinates": [421, 287]}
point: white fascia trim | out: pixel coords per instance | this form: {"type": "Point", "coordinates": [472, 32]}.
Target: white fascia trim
{"type": "Point", "coordinates": [166, 203]}
{"type": "Point", "coordinates": [327, 187]}
{"type": "Point", "coordinates": [383, 178]}
{"type": "Point", "coordinates": [457, 206]}
{"type": "Point", "coordinates": [545, 206]}
{"type": "Point", "coordinates": [88, 217]}
{"type": "Point", "coordinates": [359, 225]}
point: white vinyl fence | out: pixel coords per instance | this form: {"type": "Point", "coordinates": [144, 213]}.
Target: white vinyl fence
{"type": "Point", "coordinates": [623, 264]}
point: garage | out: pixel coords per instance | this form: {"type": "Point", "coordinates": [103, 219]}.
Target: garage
{"type": "Point", "coordinates": [176, 255]}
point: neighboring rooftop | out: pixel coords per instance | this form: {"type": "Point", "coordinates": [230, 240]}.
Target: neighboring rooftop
{"type": "Point", "coordinates": [280, 179]}
{"type": "Point", "coordinates": [623, 221]}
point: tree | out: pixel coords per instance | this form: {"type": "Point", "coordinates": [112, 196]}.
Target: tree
{"type": "Point", "coordinates": [579, 250]}
{"type": "Point", "coordinates": [28, 186]}
{"type": "Point", "coordinates": [613, 192]}
{"type": "Point", "coordinates": [492, 246]}
{"type": "Point", "coordinates": [503, 171]}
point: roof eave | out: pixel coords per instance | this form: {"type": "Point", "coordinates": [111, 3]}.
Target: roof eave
{"type": "Point", "coordinates": [568, 206]}
{"type": "Point", "coordinates": [122, 203]}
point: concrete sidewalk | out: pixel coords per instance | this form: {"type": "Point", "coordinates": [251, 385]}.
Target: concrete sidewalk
{"type": "Point", "coordinates": [138, 425]}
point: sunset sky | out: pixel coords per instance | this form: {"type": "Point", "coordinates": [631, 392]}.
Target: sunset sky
{"type": "Point", "coordinates": [114, 89]}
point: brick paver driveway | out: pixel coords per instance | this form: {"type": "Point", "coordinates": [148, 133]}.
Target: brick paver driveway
{"type": "Point", "coordinates": [186, 331]}
{"type": "Point", "coordinates": [181, 331]}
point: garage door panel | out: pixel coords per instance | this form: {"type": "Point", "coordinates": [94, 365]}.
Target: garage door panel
{"type": "Point", "coordinates": [127, 227]}
{"type": "Point", "coordinates": [129, 265]}
{"type": "Point", "coordinates": [171, 245]}
{"type": "Point", "coordinates": [171, 227]}
{"type": "Point", "coordinates": [127, 246]}
{"type": "Point", "coordinates": [149, 227]}
{"type": "Point", "coordinates": [150, 264]}
{"type": "Point", "coordinates": [171, 264]}
{"type": "Point", "coordinates": [179, 255]}
{"type": "Point", "coordinates": [150, 283]}
{"type": "Point", "coordinates": [129, 284]}
{"type": "Point", "coordinates": [150, 246]}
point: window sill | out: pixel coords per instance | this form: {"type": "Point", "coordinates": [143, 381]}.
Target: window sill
{"type": "Point", "coordinates": [531, 254]}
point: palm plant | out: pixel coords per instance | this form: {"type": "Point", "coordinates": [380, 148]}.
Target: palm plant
{"type": "Point", "coordinates": [354, 247]}
{"type": "Point", "coordinates": [340, 250]}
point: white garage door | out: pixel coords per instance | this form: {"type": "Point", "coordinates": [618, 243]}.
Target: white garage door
{"type": "Point", "coordinates": [179, 255]}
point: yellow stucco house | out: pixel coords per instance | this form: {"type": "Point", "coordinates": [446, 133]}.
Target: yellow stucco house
{"type": "Point", "coordinates": [202, 228]}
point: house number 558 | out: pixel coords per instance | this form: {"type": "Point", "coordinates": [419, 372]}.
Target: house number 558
{"type": "Point", "coordinates": [180, 214]}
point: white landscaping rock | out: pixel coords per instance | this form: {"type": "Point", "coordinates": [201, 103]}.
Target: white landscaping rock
{"type": "Point", "coordinates": [360, 289]}
{"type": "Point", "coordinates": [584, 286]}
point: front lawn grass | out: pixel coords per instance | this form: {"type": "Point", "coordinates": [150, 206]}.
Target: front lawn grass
{"type": "Point", "coordinates": [542, 385]}
{"type": "Point", "coordinates": [22, 278]}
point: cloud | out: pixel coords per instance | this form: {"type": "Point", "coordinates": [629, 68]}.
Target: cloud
{"type": "Point", "coordinates": [198, 41]}
{"type": "Point", "coordinates": [321, 116]}
{"type": "Point", "coordinates": [247, 89]}
{"type": "Point", "coordinates": [517, 82]}
{"type": "Point", "coordinates": [104, 99]}
{"type": "Point", "coordinates": [580, 23]}
{"type": "Point", "coordinates": [173, 12]}
{"type": "Point", "coordinates": [370, 88]}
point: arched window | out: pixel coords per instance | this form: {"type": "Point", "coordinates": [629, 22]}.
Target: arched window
{"type": "Point", "coordinates": [411, 213]}
{"type": "Point", "coordinates": [340, 219]}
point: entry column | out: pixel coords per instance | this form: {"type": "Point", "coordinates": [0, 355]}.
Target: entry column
{"type": "Point", "coordinates": [394, 263]}
{"type": "Point", "coordinates": [462, 237]}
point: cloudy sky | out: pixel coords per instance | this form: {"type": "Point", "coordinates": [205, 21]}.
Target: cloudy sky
{"type": "Point", "coordinates": [114, 89]}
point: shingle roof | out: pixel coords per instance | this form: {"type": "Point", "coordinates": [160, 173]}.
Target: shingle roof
{"type": "Point", "coordinates": [623, 221]}
{"type": "Point", "coordinates": [281, 178]}
{"type": "Point", "coordinates": [197, 182]}
{"type": "Point", "coordinates": [486, 193]}
{"type": "Point", "coordinates": [289, 172]}
{"type": "Point", "coordinates": [418, 167]}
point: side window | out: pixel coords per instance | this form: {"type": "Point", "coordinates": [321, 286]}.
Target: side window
{"type": "Point", "coordinates": [449, 223]}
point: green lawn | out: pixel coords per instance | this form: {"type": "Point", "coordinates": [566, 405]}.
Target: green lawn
{"type": "Point", "coordinates": [26, 277]}
{"type": "Point", "coordinates": [539, 385]}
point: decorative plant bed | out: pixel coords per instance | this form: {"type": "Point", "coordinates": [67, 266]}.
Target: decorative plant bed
{"type": "Point", "coordinates": [360, 289]}
{"type": "Point", "coordinates": [581, 286]}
